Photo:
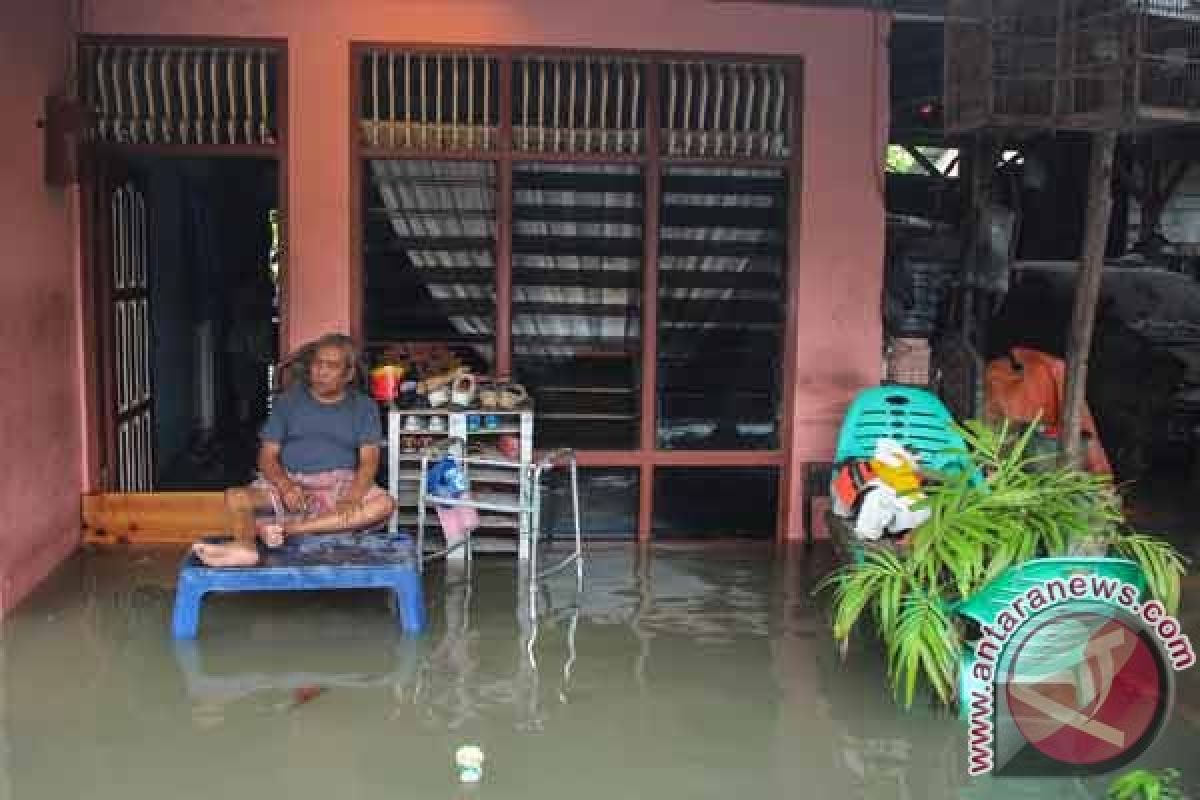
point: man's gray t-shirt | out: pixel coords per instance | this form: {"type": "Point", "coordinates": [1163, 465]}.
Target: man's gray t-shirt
{"type": "Point", "coordinates": [317, 436]}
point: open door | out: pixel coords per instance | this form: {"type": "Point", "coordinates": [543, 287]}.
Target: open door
{"type": "Point", "coordinates": [118, 267]}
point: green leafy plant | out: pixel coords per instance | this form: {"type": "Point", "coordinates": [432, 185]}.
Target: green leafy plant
{"type": "Point", "coordinates": [1145, 784]}
{"type": "Point", "coordinates": [1006, 505]}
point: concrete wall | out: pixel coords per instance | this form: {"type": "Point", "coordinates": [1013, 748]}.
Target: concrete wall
{"type": "Point", "coordinates": [838, 340]}
{"type": "Point", "coordinates": [40, 406]}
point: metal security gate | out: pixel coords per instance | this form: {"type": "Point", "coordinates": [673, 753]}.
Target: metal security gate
{"type": "Point", "coordinates": [126, 322]}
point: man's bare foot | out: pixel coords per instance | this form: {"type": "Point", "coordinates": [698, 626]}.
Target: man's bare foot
{"type": "Point", "coordinates": [272, 534]}
{"type": "Point", "coordinates": [235, 554]}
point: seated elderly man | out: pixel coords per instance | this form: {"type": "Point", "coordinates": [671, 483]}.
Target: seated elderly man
{"type": "Point", "coordinates": [317, 461]}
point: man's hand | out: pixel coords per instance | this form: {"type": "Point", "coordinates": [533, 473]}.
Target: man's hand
{"type": "Point", "coordinates": [350, 503]}
{"type": "Point", "coordinates": [294, 499]}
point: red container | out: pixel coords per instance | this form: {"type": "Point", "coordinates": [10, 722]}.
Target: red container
{"type": "Point", "coordinates": [510, 447]}
{"type": "Point", "coordinates": [385, 383]}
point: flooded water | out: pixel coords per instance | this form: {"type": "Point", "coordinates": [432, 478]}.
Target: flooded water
{"type": "Point", "coordinates": [677, 674]}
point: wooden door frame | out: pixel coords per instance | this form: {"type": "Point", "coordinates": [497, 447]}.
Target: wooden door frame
{"type": "Point", "coordinates": [98, 358]}
{"type": "Point", "coordinates": [96, 154]}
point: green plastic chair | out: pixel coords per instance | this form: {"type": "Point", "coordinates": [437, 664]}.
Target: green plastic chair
{"type": "Point", "coordinates": [914, 417]}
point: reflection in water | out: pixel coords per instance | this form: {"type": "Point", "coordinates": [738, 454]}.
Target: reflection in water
{"type": "Point", "coordinates": [677, 674]}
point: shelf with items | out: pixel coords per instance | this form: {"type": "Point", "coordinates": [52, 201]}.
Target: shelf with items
{"type": "Point", "coordinates": [498, 485]}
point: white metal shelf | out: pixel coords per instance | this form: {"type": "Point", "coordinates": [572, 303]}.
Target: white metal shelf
{"type": "Point", "coordinates": [493, 503]}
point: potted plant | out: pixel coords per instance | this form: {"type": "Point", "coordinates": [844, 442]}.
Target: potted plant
{"type": "Point", "coordinates": [1146, 784]}
{"type": "Point", "coordinates": [1024, 507]}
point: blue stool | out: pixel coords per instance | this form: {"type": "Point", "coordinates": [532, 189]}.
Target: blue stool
{"type": "Point", "coordinates": [337, 561]}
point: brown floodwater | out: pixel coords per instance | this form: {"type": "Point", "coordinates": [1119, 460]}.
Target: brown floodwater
{"type": "Point", "coordinates": [678, 673]}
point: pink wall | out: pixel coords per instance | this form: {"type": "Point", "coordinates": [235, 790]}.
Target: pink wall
{"type": "Point", "coordinates": [845, 120]}
{"type": "Point", "coordinates": [40, 410]}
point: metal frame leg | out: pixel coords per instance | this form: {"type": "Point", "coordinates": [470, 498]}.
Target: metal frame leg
{"type": "Point", "coordinates": [421, 500]}
{"type": "Point", "coordinates": [535, 529]}
{"type": "Point", "coordinates": [578, 524]}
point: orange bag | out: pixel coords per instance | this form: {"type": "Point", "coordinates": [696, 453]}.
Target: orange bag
{"type": "Point", "coordinates": [1028, 383]}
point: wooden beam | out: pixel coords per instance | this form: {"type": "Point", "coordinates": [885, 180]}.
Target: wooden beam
{"type": "Point", "coordinates": [612, 247]}
{"type": "Point", "coordinates": [502, 366]}
{"type": "Point", "coordinates": [1087, 292]}
{"type": "Point", "coordinates": [152, 517]}
{"type": "Point", "coordinates": [652, 189]}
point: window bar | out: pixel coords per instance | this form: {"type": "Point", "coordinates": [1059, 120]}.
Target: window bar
{"type": "Point", "coordinates": [151, 119]}
{"type": "Point", "coordinates": [215, 88]}
{"type": "Point", "coordinates": [123, 458]}
{"type": "Point", "coordinates": [438, 137]}
{"type": "Point", "coordinates": [134, 352]}
{"type": "Point", "coordinates": [118, 239]}
{"type": "Point", "coordinates": [126, 205]}
{"type": "Point", "coordinates": [373, 122]}
{"type": "Point", "coordinates": [702, 112]}
{"type": "Point", "coordinates": [687, 109]}
{"type": "Point", "coordinates": [408, 100]}
{"type": "Point", "coordinates": [135, 460]}
{"type": "Point", "coordinates": [423, 114]}
{"type": "Point", "coordinates": [122, 379]}
{"type": "Point", "coordinates": [391, 92]}
{"type": "Point", "coordinates": [144, 459]}
{"type": "Point", "coordinates": [620, 126]}
{"type": "Point", "coordinates": [144, 456]}
{"type": "Point", "coordinates": [780, 101]}
{"type": "Point", "coordinates": [143, 242]}
{"type": "Point", "coordinates": [471, 99]}
{"type": "Point", "coordinates": [145, 348]}
{"type": "Point", "coordinates": [748, 114]}
{"type": "Point", "coordinates": [135, 104]}
{"type": "Point", "coordinates": [131, 224]}
{"type": "Point", "coordinates": [197, 72]}
{"type": "Point", "coordinates": [764, 131]}
{"type": "Point", "coordinates": [135, 469]}
{"type": "Point", "coordinates": [148, 461]}
{"type": "Point", "coordinates": [185, 121]}
{"type": "Point", "coordinates": [734, 92]}
{"type": "Point", "coordinates": [164, 74]}
{"type": "Point", "coordinates": [486, 111]}
{"type": "Point", "coordinates": [525, 105]}
{"type": "Point", "coordinates": [604, 65]}
{"type": "Point", "coordinates": [247, 84]}
{"type": "Point", "coordinates": [264, 116]}
{"type": "Point", "coordinates": [587, 104]}
{"type": "Point", "coordinates": [571, 105]}
{"type": "Point", "coordinates": [633, 107]}
{"type": "Point", "coordinates": [119, 112]}
{"type": "Point", "coordinates": [93, 88]}
{"type": "Point", "coordinates": [671, 98]}
{"type": "Point", "coordinates": [126, 347]}
{"type": "Point", "coordinates": [140, 449]}
{"type": "Point", "coordinates": [542, 104]}
{"type": "Point", "coordinates": [232, 125]}
{"type": "Point", "coordinates": [718, 103]}
{"type": "Point", "coordinates": [558, 126]}
{"type": "Point", "coordinates": [454, 121]}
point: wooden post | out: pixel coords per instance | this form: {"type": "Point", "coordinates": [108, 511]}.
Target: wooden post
{"type": "Point", "coordinates": [983, 154]}
{"type": "Point", "coordinates": [1087, 292]}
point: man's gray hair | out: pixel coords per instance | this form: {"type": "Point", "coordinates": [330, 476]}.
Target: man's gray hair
{"type": "Point", "coordinates": [301, 362]}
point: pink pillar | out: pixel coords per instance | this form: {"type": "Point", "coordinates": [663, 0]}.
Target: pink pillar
{"type": "Point", "coordinates": [40, 405]}
{"type": "Point", "coordinates": [837, 287]}
{"type": "Point", "coordinates": [318, 225]}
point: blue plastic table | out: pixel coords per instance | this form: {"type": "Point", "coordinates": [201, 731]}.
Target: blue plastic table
{"type": "Point", "coordinates": [336, 561]}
